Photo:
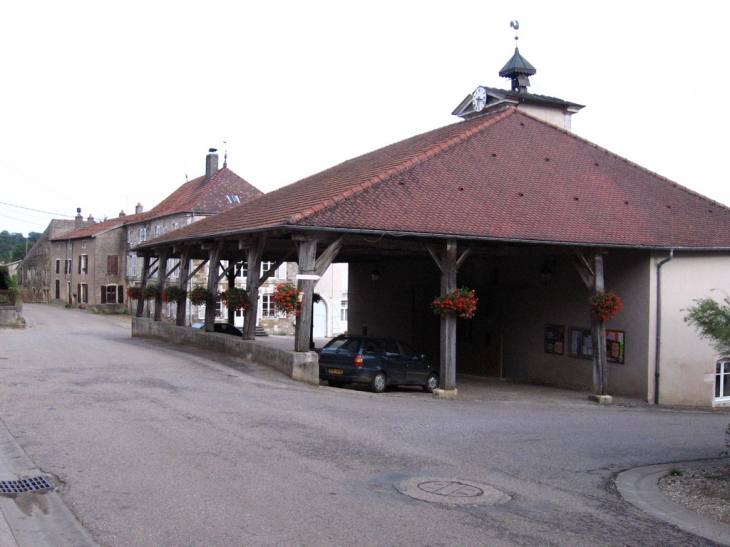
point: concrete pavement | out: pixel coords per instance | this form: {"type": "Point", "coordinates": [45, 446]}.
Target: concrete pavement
{"type": "Point", "coordinates": [132, 431]}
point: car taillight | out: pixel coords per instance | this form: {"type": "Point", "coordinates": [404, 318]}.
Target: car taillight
{"type": "Point", "coordinates": [358, 360]}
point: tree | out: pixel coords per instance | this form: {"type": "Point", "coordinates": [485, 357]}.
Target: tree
{"type": "Point", "coordinates": [712, 320]}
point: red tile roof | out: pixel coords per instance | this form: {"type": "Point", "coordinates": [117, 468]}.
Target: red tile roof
{"type": "Point", "coordinates": [209, 197]}
{"type": "Point", "coordinates": [198, 195]}
{"type": "Point", "coordinates": [95, 229]}
{"type": "Point", "coordinates": [503, 176]}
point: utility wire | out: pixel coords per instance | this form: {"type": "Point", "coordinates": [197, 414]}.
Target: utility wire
{"type": "Point", "coordinates": [36, 210]}
{"type": "Point", "coordinates": [21, 220]}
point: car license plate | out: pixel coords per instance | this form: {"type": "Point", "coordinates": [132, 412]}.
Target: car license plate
{"type": "Point", "coordinates": [335, 371]}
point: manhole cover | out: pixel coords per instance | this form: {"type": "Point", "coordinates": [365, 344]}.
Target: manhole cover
{"type": "Point", "coordinates": [452, 491]}
{"type": "Point", "coordinates": [32, 484]}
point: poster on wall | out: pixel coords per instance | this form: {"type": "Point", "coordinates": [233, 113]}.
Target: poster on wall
{"type": "Point", "coordinates": [581, 343]}
{"type": "Point", "coordinates": [554, 339]}
{"type": "Point", "coordinates": [615, 346]}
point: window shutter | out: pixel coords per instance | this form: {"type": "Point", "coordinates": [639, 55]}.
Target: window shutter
{"type": "Point", "coordinates": [103, 294]}
{"type": "Point", "coordinates": [120, 294]}
{"type": "Point", "coordinates": [78, 292]}
{"type": "Point", "coordinates": [79, 263]}
{"type": "Point", "coordinates": [112, 264]}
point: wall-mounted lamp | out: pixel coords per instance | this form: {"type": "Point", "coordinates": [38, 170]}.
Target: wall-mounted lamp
{"type": "Point", "coordinates": [546, 274]}
{"type": "Point", "coordinates": [375, 274]}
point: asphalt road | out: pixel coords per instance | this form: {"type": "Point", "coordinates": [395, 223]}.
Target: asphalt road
{"type": "Point", "coordinates": [161, 445]}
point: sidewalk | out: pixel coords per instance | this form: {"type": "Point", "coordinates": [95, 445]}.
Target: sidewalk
{"type": "Point", "coordinates": [33, 519]}
{"type": "Point", "coordinates": [640, 487]}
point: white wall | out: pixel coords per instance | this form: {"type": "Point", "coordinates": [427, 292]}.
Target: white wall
{"type": "Point", "coordinates": [687, 368]}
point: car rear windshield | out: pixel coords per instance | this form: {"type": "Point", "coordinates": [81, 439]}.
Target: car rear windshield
{"type": "Point", "coordinates": [344, 344]}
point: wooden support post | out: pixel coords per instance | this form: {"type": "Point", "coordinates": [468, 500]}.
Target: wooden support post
{"type": "Point", "coordinates": [254, 254]}
{"type": "Point", "coordinates": [182, 304]}
{"type": "Point", "coordinates": [214, 259]}
{"type": "Point", "coordinates": [307, 264]}
{"type": "Point", "coordinates": [145, 271]}
{"type": "Point", "coordinates": [449, 265]}
{"type": "Point", "coordinates": [448, 321]}
{"type": "Point", "coordinates": [598, 329]}
{"type": "Point", "coordinates": [231, 278]}
{"type": "Point", "coordinates": [161, 278]}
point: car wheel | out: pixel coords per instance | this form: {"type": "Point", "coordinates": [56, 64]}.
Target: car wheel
{"type": "Point", "coordinates": [431, 383]}
{"type": "Point", "coordinates": [335, 383]}
{"type": "Point", "coordinates": [379, 382]}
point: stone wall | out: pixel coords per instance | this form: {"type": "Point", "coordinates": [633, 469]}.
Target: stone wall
{"type": "Point", "coordinates": [300, 366]}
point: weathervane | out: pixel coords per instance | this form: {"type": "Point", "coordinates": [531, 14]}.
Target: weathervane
{"type": "Point", "coordinates": [515, 25]}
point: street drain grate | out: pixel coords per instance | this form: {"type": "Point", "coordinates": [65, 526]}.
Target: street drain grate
{"type": "Point", "coordinates": [452, 491]}
{"type": "Point", "coordinates": [32, 484]}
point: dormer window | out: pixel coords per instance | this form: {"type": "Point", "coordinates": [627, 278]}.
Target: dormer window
{"type": "Point", "coordinates": [233, 199]}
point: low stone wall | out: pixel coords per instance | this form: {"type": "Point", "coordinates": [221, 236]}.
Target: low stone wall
{"type": "Point", "coordinates": [10, 316]}
{"type": "Point", "coordinates": [301, 366]}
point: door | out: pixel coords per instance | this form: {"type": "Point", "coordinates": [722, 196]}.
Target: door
{"type": "Point", "coordinates": [319, 320]}
{"type": "Point", "coordinates": [416, 370]}
{"type": "Point", "coordinates": [395, 364]}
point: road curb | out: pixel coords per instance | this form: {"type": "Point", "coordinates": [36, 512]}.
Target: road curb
{"type": "Point", "coordinates": [49, 523]}
{"type": "Point", "coordinates": [640, 487]}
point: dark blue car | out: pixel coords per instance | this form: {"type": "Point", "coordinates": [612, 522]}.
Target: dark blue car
{"type": "Point", "coordinates": [378, 362]}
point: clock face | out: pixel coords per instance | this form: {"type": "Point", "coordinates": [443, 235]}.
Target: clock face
{"type": "Point", "coordinates": [479, 99]}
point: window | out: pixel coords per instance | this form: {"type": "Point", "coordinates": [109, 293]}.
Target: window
{"type": "Point", "coordinates": [68, 267]}
{"type": "Point", "coordinates": [131, 265]}
{"type": "Point", "coordinates": [242, 269]}
{"type": "Point", "coordinates": [112, 264]}
{"type": "Point", "coordinates": [58, 289]}
{"type": "Point", "coordinates": [83, 244]}
{"type": "Point", "coordinates": [722, 381]}
{"type": "Point", "coordinates": [58, 266]}
{"type": "Point", "coordinates": [83, 264]}
{"type": "Point", "coordinates": [157, 231]}
{"type": "Point", "coordinates": [267, 306]}
{"type": "Point", "coordinates": [112, 294]}
{"type": "Point", "coordinates": [129, 236]}
{"type": "Point", "coordinates": [266, 266]}
{"type": "Point", "coordinates": [142, 234]}
{"type": "Point", "coordinates": [343, 310]}
{"type": "Point", "coordinates": [175, 225]}
{"type": "Point", "coordinates": [233, 199]}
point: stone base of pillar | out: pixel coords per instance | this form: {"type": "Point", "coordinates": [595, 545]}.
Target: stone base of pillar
{"type": "Point", "coordinates": [604, 400]}
{"type": "Point", "coordinates": [446, 393]}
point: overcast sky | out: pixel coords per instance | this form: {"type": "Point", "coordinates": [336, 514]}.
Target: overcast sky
{"type": "Point", "coordinates": [103, 105]}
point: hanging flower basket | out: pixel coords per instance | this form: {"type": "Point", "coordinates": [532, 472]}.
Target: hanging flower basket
{"type": "Point", "coordinates": [200, 296]}
{"type": "Point", "coordinates": [173, 293]}
{"type": "Point", "coordinates": [150, 291]}
{"type": "Point", "coordinates": [286, 298]}
{"type": "Point", "coordinates": [236, 299]}
{"type": "Point", "coordinates": [605, 305]}
{"type": "Point", "coordinates": [462, 302]}
{"type": "Point", "coordinates": [134, 293]}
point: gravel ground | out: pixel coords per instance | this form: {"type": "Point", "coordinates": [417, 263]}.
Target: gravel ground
{"type": "Point", "coordinates": [705, 491]}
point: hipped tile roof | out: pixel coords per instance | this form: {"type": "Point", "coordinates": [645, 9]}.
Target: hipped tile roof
{"type": "Point", "coordinates": [505, 176]}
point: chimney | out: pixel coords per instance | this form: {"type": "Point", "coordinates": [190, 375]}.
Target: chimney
{"type": "Point", "coordinates": [90, 219]}
{"type": "Point", "coordinates": [122, 214]}
{"type": "Point", "coordinates": [79, 219]}
{"type": "Point", "coordinates": [211, 163]}
{"type": "Point", "coordinates": [138, 209]}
